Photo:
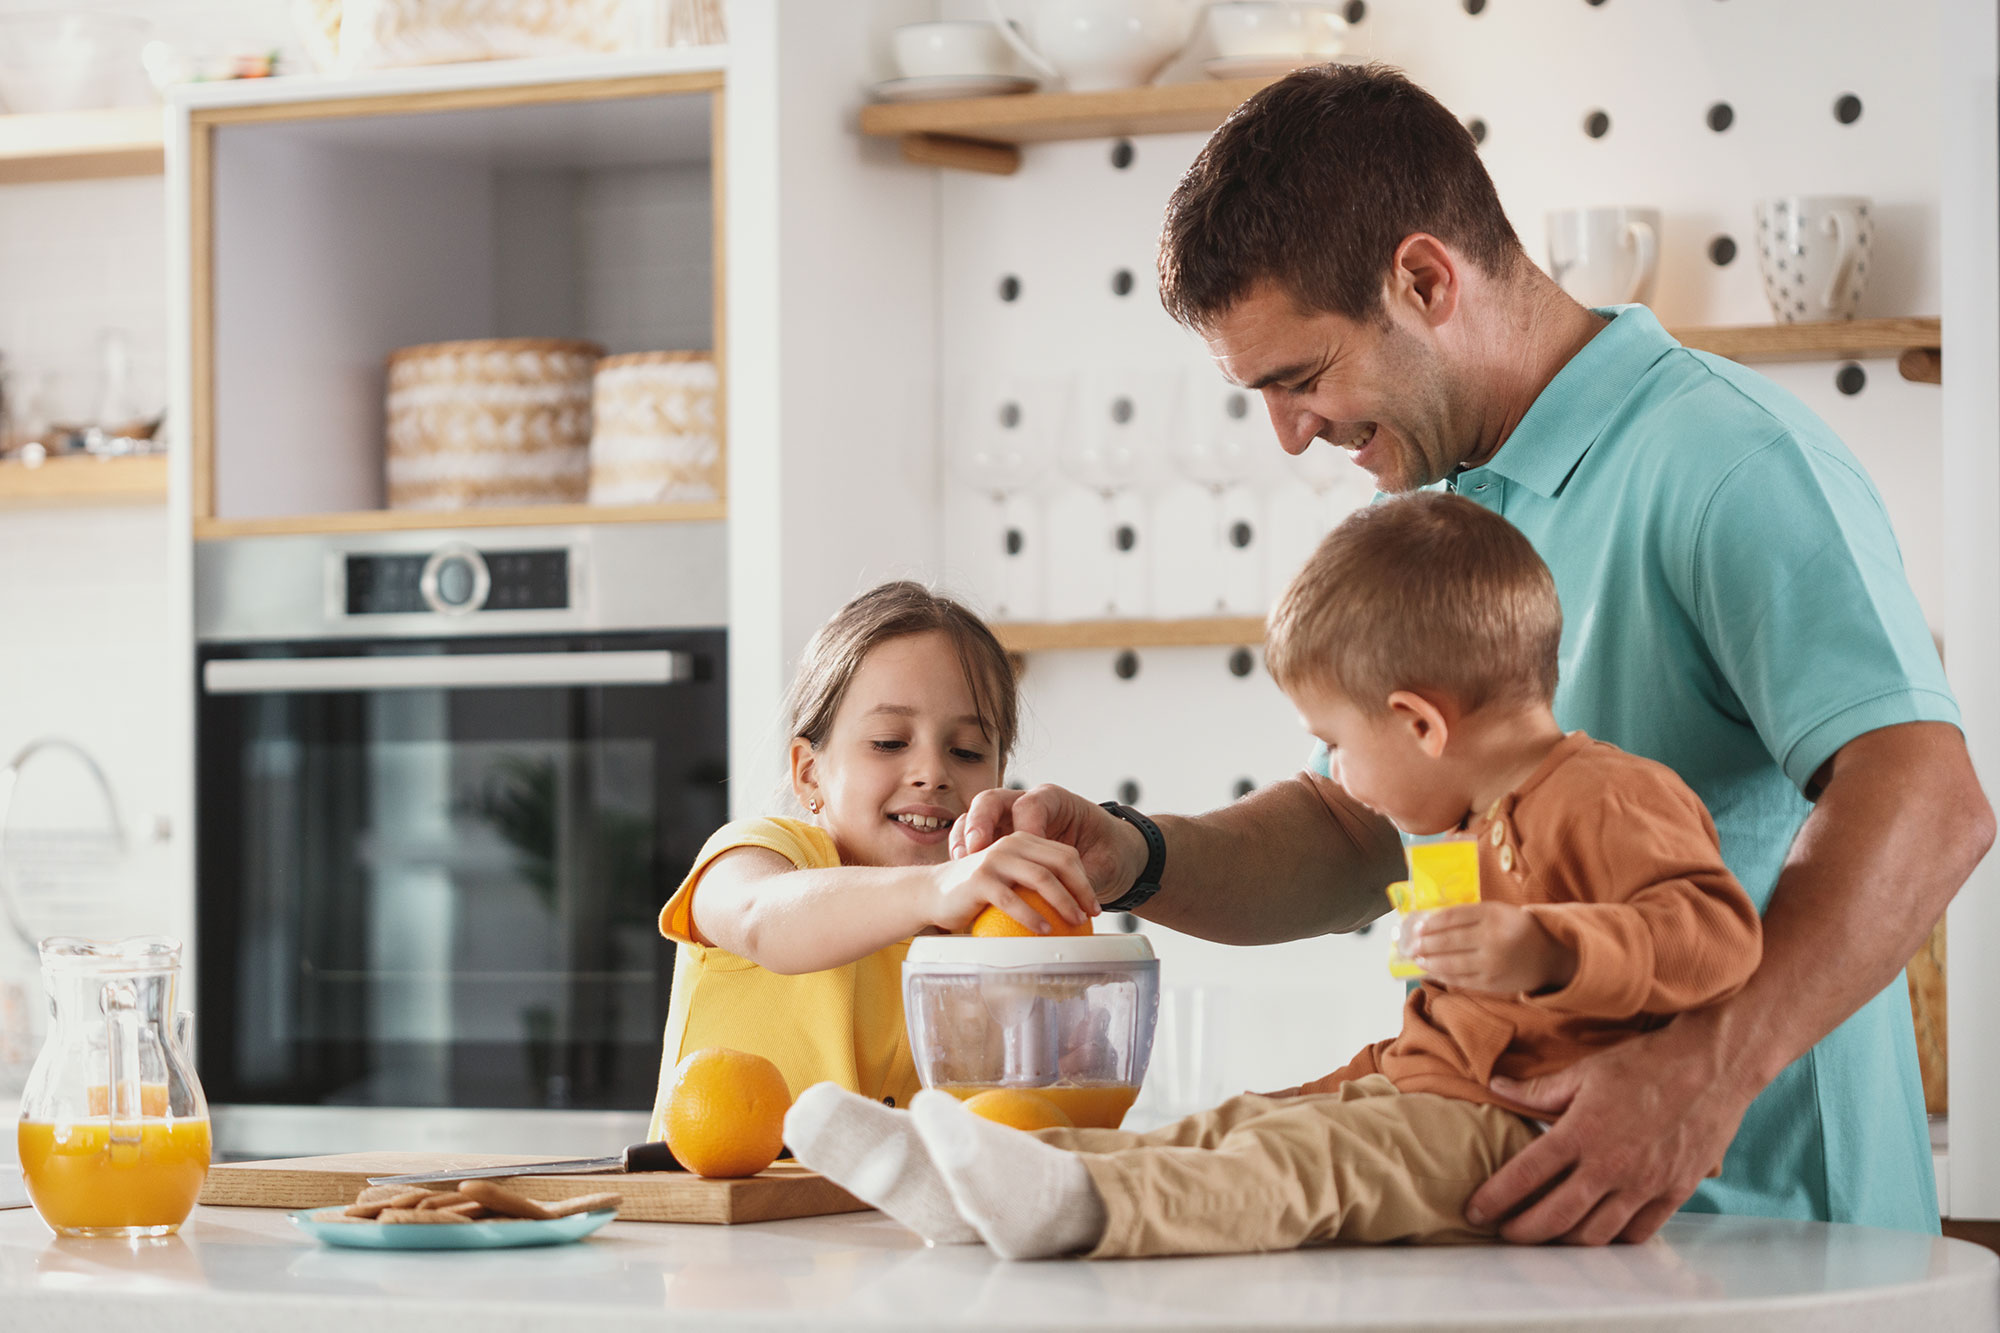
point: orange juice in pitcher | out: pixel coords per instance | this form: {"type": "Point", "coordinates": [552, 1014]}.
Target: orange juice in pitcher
{"type": "Point", "coordinates": [114, 1135]}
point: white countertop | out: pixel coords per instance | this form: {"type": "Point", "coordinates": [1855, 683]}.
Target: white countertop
{"type": "Point", "coordinates": [247, 1269]}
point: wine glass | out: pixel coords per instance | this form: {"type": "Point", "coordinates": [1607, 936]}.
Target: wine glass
{"type": "Point", "coordinates": [1002, 440]}
{"type": "Point", "coordinates": [1115, 437]}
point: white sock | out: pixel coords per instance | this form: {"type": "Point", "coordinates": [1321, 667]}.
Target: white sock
{"type": "Point", "coordinates": [1026, 1199]}
{"type": "Point", "coordinates": [874, 1153]}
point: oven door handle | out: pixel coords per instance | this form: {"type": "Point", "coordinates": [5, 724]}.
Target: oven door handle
{"type": "Point", "coordinates": [453, 671]}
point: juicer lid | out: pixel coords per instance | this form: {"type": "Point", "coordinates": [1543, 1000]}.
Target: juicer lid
{"type": "Point", "coordinates": [1028, 950]}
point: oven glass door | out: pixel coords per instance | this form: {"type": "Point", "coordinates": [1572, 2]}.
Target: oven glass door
{"type": "Point", "coordinates": [430, 873]}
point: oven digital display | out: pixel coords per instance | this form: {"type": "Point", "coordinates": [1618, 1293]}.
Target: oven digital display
{"type": "Point", "coordinates": [523, 580]}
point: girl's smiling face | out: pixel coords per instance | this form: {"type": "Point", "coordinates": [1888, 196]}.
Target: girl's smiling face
{"type": "Point", "coordinates": [905, 755]}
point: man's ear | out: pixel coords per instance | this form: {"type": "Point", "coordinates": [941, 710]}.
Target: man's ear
{"type": "Point", "coordinates": [1424, 278]}
{"type": "Point", "coordinates": [805, 780]}
{"type": "Point", "coordinates": [1428, 724]}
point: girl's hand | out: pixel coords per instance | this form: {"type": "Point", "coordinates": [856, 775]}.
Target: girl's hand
{"type": "Point", "coordinates": [1494, 947]}
{"type": "Point", "coordinates": [967, 886]}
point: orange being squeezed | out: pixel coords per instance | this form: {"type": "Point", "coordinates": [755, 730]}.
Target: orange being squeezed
{"type": "Point", "coordinates": [1088, 1105]}
{"type": "Point", "coordinates": [83, 1183]}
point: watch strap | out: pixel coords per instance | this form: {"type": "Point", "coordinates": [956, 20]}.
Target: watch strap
{"type": "Point", "coordinates": [1148, 882]}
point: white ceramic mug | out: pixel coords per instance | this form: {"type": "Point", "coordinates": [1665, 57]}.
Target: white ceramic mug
{"type": "Point", "coordinates": [1605, 256]}
{"type": "Point", "coordinates": [1813, 252]}
{"type": "Point", "coordinates": [951, 49]}
{"type": "Point", "coordinates": [1241, 28]}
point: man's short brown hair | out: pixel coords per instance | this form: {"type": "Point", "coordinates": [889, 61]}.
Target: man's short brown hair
{"type": "Point", "coordinates": [1426, 592]}
{"type": "Point", "coordinates": [1313, 183]}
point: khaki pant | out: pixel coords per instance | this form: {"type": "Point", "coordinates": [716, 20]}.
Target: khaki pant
{"type": "Point", "coordinates": [1366, 1163]}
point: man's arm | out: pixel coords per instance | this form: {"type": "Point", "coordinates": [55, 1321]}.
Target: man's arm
{"type": "Point", "coordinates": [1899, 826]}
{"type": "Point", "coordinates": [1295, 859]}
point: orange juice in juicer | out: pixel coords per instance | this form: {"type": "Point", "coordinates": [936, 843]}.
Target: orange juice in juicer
{"type": "Point", "coordinates": [114, 1137]}
{"type": "Point", "coordinates": [1068, 1017]}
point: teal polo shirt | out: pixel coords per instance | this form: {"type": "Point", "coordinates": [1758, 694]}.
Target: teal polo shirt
{"type": "Point", "coordinates": [1735, 607]}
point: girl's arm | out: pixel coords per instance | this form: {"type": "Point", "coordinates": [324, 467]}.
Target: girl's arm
{"type": "Point", "coordinates": [757, 905]}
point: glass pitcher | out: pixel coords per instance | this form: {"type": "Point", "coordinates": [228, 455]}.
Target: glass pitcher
{"type": "Point", "coordinates": [114, 1136]}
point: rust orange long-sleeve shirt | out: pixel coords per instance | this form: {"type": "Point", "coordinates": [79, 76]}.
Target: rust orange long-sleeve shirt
{"type": "Point", "coordinates": [1617, 859]}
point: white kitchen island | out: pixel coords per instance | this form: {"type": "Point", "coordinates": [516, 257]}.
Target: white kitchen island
{"type": "Point", "coordinates": [241, 1270]}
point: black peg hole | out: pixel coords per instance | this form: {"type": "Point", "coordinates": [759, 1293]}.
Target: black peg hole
{"type": "Point", "coordinates": [1121, 282]}
{"type": "Point", "coordinates": [1850, 379]}
{"type": "Point", "coordinates": [1593, 3]}
{"type": "Point", "coordinates": [1847, 109]}
{"type": "Point", "coordinates": [1010, 415]}
{"type": "Point", "coordinates": [1128, 792]}
{"type": "Point", "coordinates": [1474, 7]}
{"type": "Point", "coordinates": [1242, 662]}
{"type": "Point", "coordinates": [1015, 541]}
{"type": "Point", "coordinates": [1125, 538]}
{"type": "Point", "coordinates": [1597, 124]}
{"type": "Point", "coordinates": [1010, 288]}
{"type": "Point", "coordinates": [1015, 784]}
{"type": "Point", "coordinates": [1477, 129]}
{"type": "Point", "coordinates": [1122, 154]}
{"type": "Point", "coordinates": [1121, 409]}
{"type": "Point", "coordinates": [1722, 250]}
{"type": "Point", "coordinates": [1125, 665]}
{"type": "Point", "coordinates": [1124, 922]}
{"type": "Point", "coordinates": [1357, 10]}
{"type": "Point", "coordinates": [1240, 534]}
{"type": "Point", "coordinates": [1364, 928]}
{"type": "Point", "coordinates": [1721, 116]}
{"type": "Point", "coordinates": [1236, 406]}
{"type": "Point", "coordinates": [1243, 787]}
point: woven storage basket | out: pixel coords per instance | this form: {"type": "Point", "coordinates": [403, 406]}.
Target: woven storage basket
{"type": "Point", "coordinates": [501, 421]}
{"type": "Point", "coordinates": [654, 440]}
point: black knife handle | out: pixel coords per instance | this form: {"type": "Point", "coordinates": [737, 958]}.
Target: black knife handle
{"type": "Point", "coordinates": [651, 1157]}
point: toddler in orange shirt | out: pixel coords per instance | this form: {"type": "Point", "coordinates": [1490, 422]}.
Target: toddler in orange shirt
{"type": "Point", "coordinates": [1419, 643]}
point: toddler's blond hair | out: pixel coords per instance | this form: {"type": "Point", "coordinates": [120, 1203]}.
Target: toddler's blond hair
{"type": "Point", "coordinates": [1426, 592]}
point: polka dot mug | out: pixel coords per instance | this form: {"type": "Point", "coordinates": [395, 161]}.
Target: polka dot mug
{"type": "Point", "coordinates": [1814, 253]}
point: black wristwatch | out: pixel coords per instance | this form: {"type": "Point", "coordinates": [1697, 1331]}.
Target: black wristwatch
{"type": "Point", "coordinates": [1148, 882]}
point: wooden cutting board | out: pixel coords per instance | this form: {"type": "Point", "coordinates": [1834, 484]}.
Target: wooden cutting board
{"type": "Point", "coordinates": [783, 1190]}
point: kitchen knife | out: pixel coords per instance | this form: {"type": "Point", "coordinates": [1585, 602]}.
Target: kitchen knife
{"type": "Point", "coordinates": [638, 1157]}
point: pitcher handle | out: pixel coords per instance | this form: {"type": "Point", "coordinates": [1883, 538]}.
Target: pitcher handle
{"type": "Point", "coordinates": [123, 1099]}
{"type": "Point", "coordinates": [1012, 36]}
{"type": "Point", "coordinates": [1642, 238]}
{"type": "Point", "coordinates": [1845, 230]}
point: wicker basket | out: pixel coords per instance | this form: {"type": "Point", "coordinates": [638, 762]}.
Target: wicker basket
{"type": "Point", "coordinates": [502, 421]}
{"type": "Point", "coordinates": [655, 440]}
{"type": "Point", "coordinates": [344, 36]}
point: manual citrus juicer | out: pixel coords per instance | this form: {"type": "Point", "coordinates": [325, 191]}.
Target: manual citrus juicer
{"type": "Point", "coordinates": [1068, 1017]}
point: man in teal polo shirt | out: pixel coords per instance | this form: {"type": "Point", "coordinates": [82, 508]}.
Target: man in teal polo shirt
{"type": "Point", "coordinates": [1734, 606]}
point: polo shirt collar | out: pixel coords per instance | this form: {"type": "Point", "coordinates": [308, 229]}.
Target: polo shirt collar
{"type": "Point", "coordinates": [1577, 405]}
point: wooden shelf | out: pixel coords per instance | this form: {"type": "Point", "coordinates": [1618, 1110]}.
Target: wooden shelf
{"type": "Point", "coordinates": [985, 133]}
{"type": "Point", "coordinates": [1915, 343]}
{"type": "Point", "coordinates": [86, 480]}
{"type": "Point", "coordinates": [407, 520]}
{"type": "Point", "coordinates": [81, 145]}
{"type": "Point", "coordinates": [1055, 636]}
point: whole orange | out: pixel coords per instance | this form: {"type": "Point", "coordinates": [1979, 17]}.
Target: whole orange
{"type": "Point", "coordinates": [993, 921]}
{"type": "Point", "coordinates": [725, 1113]}
{"type": "Point", "coordinates": [1020, 1108]}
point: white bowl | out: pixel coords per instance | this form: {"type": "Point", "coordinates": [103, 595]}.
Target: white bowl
{"type": "Point", "coordinates": [56, 61]}
{"type": "Point", "coordinates": [1243, 28]}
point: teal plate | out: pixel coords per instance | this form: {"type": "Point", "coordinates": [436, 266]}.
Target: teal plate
{"type": "Point", "coordinates": [319, 1223]}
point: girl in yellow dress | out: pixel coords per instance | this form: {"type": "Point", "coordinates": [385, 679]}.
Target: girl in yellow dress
{"type": "Point", "coordinates": [792, 931]}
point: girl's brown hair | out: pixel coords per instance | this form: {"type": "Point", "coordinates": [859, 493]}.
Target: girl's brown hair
{"type": "Point", "coordinates": [894, 611]}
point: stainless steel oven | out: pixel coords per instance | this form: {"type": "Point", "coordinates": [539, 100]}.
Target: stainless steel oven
{"type": "Point", "coordinates": [443, 784]}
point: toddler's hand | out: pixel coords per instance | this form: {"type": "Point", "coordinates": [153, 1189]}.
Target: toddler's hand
{"type": "Point", "coordinates": [968, 885]}
{"type": "Point", "coordinates": [1495, 947]}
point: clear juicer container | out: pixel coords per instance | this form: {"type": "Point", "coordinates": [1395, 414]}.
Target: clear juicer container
{"type": "Point", "coordinates": [1070, 1018]}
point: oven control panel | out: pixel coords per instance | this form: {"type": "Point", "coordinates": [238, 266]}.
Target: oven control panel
{"type": "Point", "coordinates": [456, 579]}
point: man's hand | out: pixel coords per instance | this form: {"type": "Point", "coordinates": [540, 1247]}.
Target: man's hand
{"type": "Point", "coordinates": [1112, 851]}
{"type": "Point", "coordinates": [1493, 947]}
{"type": "Point", "coordinates": [1642, 1123]}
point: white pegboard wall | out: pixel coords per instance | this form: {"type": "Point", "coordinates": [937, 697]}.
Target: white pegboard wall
{"type": "Point", "coordinates": [1050, 274]}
